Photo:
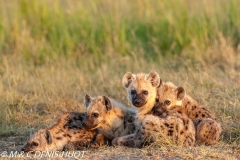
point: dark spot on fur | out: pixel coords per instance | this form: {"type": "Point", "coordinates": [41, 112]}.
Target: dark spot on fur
{"type": "Point", "coordinates": [186, 128]}
{"type": "Point", "coordinates": [69, 135]}
{"type": "Point", "coordinates": [194, 107]}
{"type": "Point", "coordinates": [170, 132]}
{"type": "Point", "coordinates": [124, 124]}
{"type": "Point", "coordinates": [162, 127]}
{"type": "Point", "coordinates": [173, 108]}
{"type": "Point", "coordinates": [181, 132]}
{"type": "Point", "coordinates": [196, 116]}
{"type": "Point", "coordinates": [59, 138]}
{"type": "Point", "coordinates": [187, 104]}
{"type": "Point", "coordinates": [180, 112]}
{"type": "Point", "coordinates": [177, 128]}
{"type": "Point", "coordinates": [120, 116]}
{"type": "Point", "coordinates": [166, 124]}
{"type": "Point", "coordinates": [203, 115]}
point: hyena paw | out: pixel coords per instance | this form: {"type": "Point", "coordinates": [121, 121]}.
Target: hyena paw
{"type": "Point", "coordinates": [130, 143]}
{"type": "Point", "coordinates": [119, 141]}
{"type": "Point", "coordinates": [69, 147]}
{"type": "Point", "coordinates": [94, 145]}
{"type": "Point", "coordinates": [134, 143]}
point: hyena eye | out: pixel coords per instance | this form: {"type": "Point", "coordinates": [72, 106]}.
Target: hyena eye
{"type": "Point", "coordinates": [133, 92]}
{"type": "Point", "coordinates": [167, 102]}
{"type": "Point", "coordinates": [145, 92]}
{"type": "Point", "coordinates": [34, 144]}
{"type": "Point", "coordinates": [95, 115]}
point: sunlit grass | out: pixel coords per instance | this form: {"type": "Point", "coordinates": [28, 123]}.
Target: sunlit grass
{"type": "Point", "coordinates": [54, 52]}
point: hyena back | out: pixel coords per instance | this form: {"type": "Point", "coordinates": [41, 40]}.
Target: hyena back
{"type": "Point", "coordinates": [67, 130]}
{"type": "Point", "coordinates": [110, 118]}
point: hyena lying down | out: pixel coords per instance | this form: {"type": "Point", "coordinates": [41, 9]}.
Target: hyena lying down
{"type": "Point", "coordinates": [109, 117]}
{"type": "Point", "coordinates": [175, 127]}
{"type": "Point", "coordinates": [67, 131]}
{"type": "Point", "coordinates": [208, 129]}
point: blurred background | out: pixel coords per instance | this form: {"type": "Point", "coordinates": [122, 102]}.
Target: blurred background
{"type": "Point", "coordinates": [54, 52]}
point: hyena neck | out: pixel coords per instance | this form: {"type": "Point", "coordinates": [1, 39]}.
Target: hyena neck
{"type": "Point", "coordinates": [188, 102]}
{"type": "Point", "coordinates": [58, 138]}
{"type": "Point", "coordinates": [111, 123]}
{"type": "Point", "coordinates": [191, 105]}
{"type": "Point", "coordinates": [146, 109]}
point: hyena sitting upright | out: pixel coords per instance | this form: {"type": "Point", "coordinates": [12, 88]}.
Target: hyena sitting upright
{"type": "Point", "coordinates": [66, 131]}
{"type": "Point", "coordinates": [207, 127]}
{"type": "Point", "coordinates": [173, 123]}
{"type": "Point", "coordinates": [176, 127]}
{"type": "Point", "coordinates": [141, 89]}
{"type": "Point", "coordinates": [110, 118]}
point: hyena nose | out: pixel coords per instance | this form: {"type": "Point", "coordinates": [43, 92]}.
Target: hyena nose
{"type": "Point", "coordinates": [138, 101]}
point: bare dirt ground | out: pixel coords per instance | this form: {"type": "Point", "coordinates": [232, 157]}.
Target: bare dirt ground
{"type": "Point", "coordinates": [220, 151]}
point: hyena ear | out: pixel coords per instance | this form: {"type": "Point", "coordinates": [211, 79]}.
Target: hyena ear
{"type": "Point", "coordinates": [154, 78]}
{"type": "Point", "coordinates": [48, 137]}
{"type": "Point", "coordinates": [180, 93]}
{"type": "Point", "coordinates": [127, 79]}
{"type": "Point", "coordinates": [107, 103]}
{"type": "Point", "coordinates": [87, 100]}
{"type": "Point", "coordinates": [160, 83]}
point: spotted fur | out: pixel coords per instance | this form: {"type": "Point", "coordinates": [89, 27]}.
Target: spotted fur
{"type": "Point", "coordinates": [208, 129]}
{"type": "Point", "coordinates": [172, 126]}
{"type": "Point", "coordinates": [166, 124]}
{"type": "Point", "coordinates": [109, 117]}
{"type": "Point", "coordinates": [67, 130]}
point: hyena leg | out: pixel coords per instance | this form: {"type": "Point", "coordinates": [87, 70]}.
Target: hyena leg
{"type": "Point", "coordinates": [75, 145]}
{"type": "Point", "coordinates": [133, 142]}
{"type": "Point", "coordinates": [151, 128]}
{"type": "Point", "coordinates": [99, 141]}
{"type": "Point", "coordinates": [208, 132]}
{"type": "Point", "coordinates": [122, 141]}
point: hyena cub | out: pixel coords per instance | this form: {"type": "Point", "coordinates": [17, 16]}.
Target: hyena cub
{"type": "Point", "coordinates": [174, 126]}
{"type": "Point", "coordinates": [142, 91]}
{"type": "Point", "coordinates": [67, 130]}
{"type": "Point", "coordinates": [109, 117]}
{"type": "Point", "coordinates": [208, 129]}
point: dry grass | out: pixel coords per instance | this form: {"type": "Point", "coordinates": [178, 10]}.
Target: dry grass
{"type": "Point", "coordinates": [44, 73]}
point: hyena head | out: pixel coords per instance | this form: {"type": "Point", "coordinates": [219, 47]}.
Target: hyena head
{"type": "Point", "coordinates": [39, 141]}
{"type": "Point", "coordinates": [141, 87]}
{"type": "Point", "coordinates": [97, 109]}
{"type": "Point", "coordinates": [168, 96]}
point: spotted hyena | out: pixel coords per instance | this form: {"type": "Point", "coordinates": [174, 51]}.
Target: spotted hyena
{"type": "Point", "coordinates": [208, 129]}
{"type": "Point", "coordinates": [110, 118]}
{"type": "Point", "coordinates": [167, 123]}
{"type": "Point", "coordinates": [142, 90]}
{"type": "Point", "coordinates": [67, 131]}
